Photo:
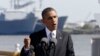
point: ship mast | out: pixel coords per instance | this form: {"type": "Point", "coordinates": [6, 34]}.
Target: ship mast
{"type": "Point", "coordinates": [40, 3]}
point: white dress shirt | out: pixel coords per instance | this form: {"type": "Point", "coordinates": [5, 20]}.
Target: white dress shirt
{"type": "Point", "coordinates": [48, 33]}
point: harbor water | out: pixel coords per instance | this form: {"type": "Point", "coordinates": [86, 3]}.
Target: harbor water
{"type": "Point", "coordinates": [82, 43]}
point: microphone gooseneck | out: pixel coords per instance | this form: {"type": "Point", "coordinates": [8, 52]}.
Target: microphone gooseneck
{"type": "Point", "coordinates": [52, 46]}
{"type": "Point", "coordinates": [44, 46]}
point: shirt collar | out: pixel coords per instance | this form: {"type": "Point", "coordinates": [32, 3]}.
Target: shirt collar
{"type": "Point", "coordinates": [48, 32]}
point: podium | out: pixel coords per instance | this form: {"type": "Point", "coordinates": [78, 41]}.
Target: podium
{"type": "Point", "coordinates": [96, 46]}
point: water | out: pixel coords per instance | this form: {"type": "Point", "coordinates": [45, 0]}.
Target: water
{"type": "Point", "coordinates": [82, 43]}
{"type": "Point", "coordinates": [8, 42]}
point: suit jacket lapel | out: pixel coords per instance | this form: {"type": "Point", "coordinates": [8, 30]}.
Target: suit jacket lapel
{"type": "Point", "coordinates": [59, 35]}
{"type": "Point", "coordinates": [43, 33]}
{"type": "Point", "coordinates": [59, 40]}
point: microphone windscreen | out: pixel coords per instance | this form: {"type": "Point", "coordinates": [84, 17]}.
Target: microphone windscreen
{"type": "Point", "coordinates": [54, 40]}
{"type": "Point", "coordinates": [44, 40]}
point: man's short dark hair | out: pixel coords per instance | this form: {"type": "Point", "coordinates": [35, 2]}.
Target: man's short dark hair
{"type": "Point", "coordinates": [47, 10]}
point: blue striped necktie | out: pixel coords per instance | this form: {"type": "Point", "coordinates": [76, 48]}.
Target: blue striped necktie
{"type": "Point", "coordinates": [50, 35]}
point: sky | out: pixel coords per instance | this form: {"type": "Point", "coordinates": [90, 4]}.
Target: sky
{"type": "Point", "coordinates": [76, 10]}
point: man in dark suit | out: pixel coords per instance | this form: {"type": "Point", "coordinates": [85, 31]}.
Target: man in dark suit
{"type": "Point", "coordinates": [27, 50]}
{"type": "Point", "coordinates": [64, 46]}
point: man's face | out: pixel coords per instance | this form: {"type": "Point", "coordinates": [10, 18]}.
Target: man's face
{"type": "Point", "coordinates": [27, 41]}
{"type": "Point", "coordinates": [51, 20]}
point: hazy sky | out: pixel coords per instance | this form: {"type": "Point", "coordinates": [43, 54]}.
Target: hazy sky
{"type": "Point", "coordinates": [76, 10]}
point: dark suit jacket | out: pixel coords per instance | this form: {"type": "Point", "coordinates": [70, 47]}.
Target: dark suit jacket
{"type": "Point", "coordinates": [64, 45]}
{"type": "Point", "coordinates": [28, 52]}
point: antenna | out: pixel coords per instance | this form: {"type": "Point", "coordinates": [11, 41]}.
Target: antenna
{"type": "Point", "coordinates": [87, 17]}
{"type": "Point", "coordinates": [40, 4]}
{"type": "Point", "coordinates": [99, 1]}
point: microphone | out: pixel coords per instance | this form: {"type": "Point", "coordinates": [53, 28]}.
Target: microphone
{"type": "Point", "coordinates": [52, 46]}
{"type": "Point", "coordinates": [43, 47]}
{"type": "Point", "coordinates": [44, 42]}
{"type": "Point", "coordinates": [53, 42]}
